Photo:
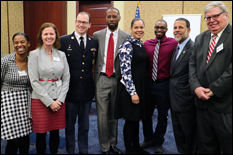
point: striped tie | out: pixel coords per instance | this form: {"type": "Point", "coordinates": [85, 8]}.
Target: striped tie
{"type": "Point", "coordinates": [211, 48]}
{"type": "Point", "coordinates": [155, 61]}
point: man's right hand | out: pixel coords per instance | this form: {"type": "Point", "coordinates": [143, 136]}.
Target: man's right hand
{"type": "Point", "coordinates": [201, 93]}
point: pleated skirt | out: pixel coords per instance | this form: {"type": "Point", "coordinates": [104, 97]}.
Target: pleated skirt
{"type": "Point", "coordinates": [44, 119]}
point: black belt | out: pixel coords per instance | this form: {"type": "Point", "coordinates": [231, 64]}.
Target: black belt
{"type": "Point", "coordinates": [104, 74]}
{"type": "Point", "coordinates": [161, 80]}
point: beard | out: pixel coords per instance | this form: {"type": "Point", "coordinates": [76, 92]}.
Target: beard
{"type": "Point", "coordinates": [182, 38]}
{"type": "Point", "coordinates": [112, 27]}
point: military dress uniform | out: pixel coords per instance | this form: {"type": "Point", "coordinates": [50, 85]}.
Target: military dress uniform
{"type": "Point", "coordinates": [81, 89]}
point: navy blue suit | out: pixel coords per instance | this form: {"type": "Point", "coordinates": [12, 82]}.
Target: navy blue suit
{"type": "Point", "coordinates": [81, 89]}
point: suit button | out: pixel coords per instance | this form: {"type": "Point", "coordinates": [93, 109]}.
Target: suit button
{"type": "Point", "coordinates": [82, 70]}
{"type": "Point", "coordinates": [53, 73]}
{"type": "Point", "coordinates": [81, 77]}
{"type": "Point", "coordinates": [53, 89]}
{"type": "Point", "coordinates": [83, 63]}
{"type": "Point", "coordinates": [84, 56]}
{"type": "Point", "coordinates": [52, 84]}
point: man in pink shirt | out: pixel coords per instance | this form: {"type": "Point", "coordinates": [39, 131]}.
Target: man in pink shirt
{"type": "Point", "coordinates": [160, 52]}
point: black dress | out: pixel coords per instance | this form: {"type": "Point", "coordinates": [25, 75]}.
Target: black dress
{"type": "Point", "coordinates": [124, 106]}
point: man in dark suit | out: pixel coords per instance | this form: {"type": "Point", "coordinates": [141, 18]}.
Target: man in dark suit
{"type": "Point", "coordinates": [106, 77]}
{"type": "Point", "coordinates": [210, 71]}
{"type": "Point", "coordinates": [81, 51]}
{"type": "Point", "coordinates": [183, 110]}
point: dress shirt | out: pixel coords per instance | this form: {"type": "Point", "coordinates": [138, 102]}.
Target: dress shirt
{"type": "Point", "coordinates": [167, 46]}
{"type": "Point", "coordinates": [115, 37]}
{"type": "Point", "coordinates": [182, 45]}
{"type": "Point", "coordinates": [219, 35]}
{"type": "Point", "coordinates": [79, 40]}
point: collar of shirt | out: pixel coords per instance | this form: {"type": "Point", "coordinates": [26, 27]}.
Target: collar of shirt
{"type": "Point", "coordinates": [161, 40]}
{"type": "Point", "coordinates": [79, 40]}
{"type": "Point", "coordinates": [182, 45]}
{"type": "Point", "coordinates": [219, 35]}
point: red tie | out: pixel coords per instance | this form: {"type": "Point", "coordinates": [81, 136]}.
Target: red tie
{"type": "Point", "coordinates": [110, 54]}
{"type": "Point", "coordinates": [211, 48]}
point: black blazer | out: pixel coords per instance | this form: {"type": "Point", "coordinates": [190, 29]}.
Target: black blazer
{"type": "Point", "coordinates": [182, 100]}
{"type": "Point", "coordinates": [82, 87]}
{"type": "Point", "coordinates": [217, 74]}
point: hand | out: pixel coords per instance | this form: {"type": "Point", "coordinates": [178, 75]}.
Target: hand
{"type": "Point", "coordinates": [135, 99]}
{"type": "Point", "coordinates": [55, 106]}
{"type": "Point", "coordinates": [201, 93]}
{"type": "Point", "coordinates": [210, 94]}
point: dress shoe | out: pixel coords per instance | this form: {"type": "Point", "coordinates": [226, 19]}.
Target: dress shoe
{"type": "Point", "coordinates": [159, 149]}
{"type": "Point", "coordinates": [139, 150]}
{"type": "Point", "coordinates": [146, 144]}
{"type": "Point", "coordinates": [115, 150]}
{"type": "Point", "coordinates": [106, 152]}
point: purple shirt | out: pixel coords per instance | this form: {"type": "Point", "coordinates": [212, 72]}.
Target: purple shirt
{"type": "Point", "coordinates": [166, 49]}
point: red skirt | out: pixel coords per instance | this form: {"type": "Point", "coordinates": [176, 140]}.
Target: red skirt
{"type": "Point", "coordinates": [44, 119]}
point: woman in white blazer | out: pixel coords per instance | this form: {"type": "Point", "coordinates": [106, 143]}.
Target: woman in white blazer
{"type": "Point", "coordinates": [49, 76]}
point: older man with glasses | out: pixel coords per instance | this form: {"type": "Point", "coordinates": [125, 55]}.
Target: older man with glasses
{"type": "Point", "coordinates": [210, 78]}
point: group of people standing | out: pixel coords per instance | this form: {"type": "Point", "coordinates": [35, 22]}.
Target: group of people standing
{"type": "Point", "coordinates": [131, 78]}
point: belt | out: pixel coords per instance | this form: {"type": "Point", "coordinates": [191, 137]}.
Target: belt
{"type": "Point", "coordinates": [162, 80]}
{"type": "Point", "coordinates": [104, 74]}
{"type": "Point", "coordinates": [50, 79]}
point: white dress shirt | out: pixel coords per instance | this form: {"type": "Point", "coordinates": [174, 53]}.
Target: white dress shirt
{"type": "Point", "coordinates": [115, 37]}
{"type": "Point", "coordinates": [79, 40]}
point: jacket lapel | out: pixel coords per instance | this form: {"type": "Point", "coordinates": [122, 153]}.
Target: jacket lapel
{"type": "Point", "coordinates": [75, 42]}
{"type": "Point", "coordinates": [223, 37]}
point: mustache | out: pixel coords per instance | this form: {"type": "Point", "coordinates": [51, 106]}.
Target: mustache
{"type": "Point", "coordinates": [178, 33]}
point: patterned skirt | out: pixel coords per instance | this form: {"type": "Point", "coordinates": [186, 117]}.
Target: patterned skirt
{"type": "Point", "coordinates": [15, 121]}
{"type": "Point", "coordinates": [44, 119]}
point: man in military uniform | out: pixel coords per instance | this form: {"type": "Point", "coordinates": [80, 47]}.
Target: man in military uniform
{"type": "Point", "coordinates": [81, 51]}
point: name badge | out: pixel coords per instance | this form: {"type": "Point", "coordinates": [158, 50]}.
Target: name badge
{"type": "Point", "coordinates": [59, 83]}
{"type": "Point", "coordinates": [219, 48]}
{"type": "Point", "coordinates": [22, 73]}
{"type": "Point", "coordinates": [57, 59]}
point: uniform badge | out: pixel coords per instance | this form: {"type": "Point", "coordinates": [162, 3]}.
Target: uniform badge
{"type": "Point", "coordinates": [89, 38]}
{"type": "Point", "coordinates": [72, 37]}
{"type": "Point", "coordinates": [93, 62]}
{"type": "Point", "coordinates": [69, 48]}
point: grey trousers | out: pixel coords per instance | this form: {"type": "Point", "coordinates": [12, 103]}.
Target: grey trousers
{"type": "Point", "coordinates": [105, 101]}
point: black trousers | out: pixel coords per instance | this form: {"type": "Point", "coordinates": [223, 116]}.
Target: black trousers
{"type": "Point", "coordinates": [19, 143]}
{"type": "Point", "coordinates": [159, 97]}
{"type": "Point", "coordinates": [185, 131]}
{"type": "Point", "coordinates": [214, 132]}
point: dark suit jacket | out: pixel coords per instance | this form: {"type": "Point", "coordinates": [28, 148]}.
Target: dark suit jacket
{"type": "Point", "coordinates": [217, 74]}
{"type": "Point", "coordinates": [182, 100]}
{"type": "Point", "coordinates": [82, 87]}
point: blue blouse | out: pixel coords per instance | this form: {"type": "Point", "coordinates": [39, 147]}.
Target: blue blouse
{"type": "Point", "coordinates": [125, 55]}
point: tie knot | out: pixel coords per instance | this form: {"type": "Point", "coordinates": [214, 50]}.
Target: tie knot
{"type": "Point", "coordinates": [158, 41]}
{"type": "Point", "coordinates": [81, 38]}
{"type": "Point", "coordinates": [214, 36]}
{"type": "Point", "coordinates": [111, 34]}
{"type": "Point", "coordinates": [178, 48]}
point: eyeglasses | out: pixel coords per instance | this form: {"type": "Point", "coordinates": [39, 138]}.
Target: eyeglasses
{"type": "Point", "coordinates": [213, 17]}
{"type": "Point", "coordinates": [162, 27]}
{"type": "Point", "coordinates": [81, 22]}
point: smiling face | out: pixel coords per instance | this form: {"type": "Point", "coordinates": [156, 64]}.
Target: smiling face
{"type": "Point", "coordinates": [48, 36]}
{"type": "Point", "coordinates": [112, 19]}
{"type": "Point", "coordinates": [216, 25]}
{"type": "Point", "coordinates": [21, 45]}
{"type": "Point", "coordinates": [137, 29]}
{"type": "Point", "coordinates": [160, 29]}
{"type": "Point", "coordinates": [82, 24]}
{"type": "Point", "coordinates": [180, 31]}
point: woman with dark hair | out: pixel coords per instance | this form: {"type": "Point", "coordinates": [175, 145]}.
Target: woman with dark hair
{"type": "Point", "coordinates": [16, 123]}
{"type": "Point", "coordinates": [133, 90]}
{"type": "Point", "coordinates": [49, 75]}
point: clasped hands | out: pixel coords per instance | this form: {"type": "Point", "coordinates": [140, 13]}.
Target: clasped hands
{"type": "Point", "coordinates": [203, 93]}
{"type": "Point", "coordinates": [56, 105]}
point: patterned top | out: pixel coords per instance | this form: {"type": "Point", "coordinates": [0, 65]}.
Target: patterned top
{"type": "Point", "coordinates": [125, 55]}
{"type": "Point", "coordinates": [10, 79]}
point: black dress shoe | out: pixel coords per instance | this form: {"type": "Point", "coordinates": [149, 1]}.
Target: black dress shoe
{"type": "Point", "coordinates": [146, 144]}
{"type": "Point", "coordinates": [159, 149]}
{"type": "Point", "coordinates": [115, 150]}
{"type": "Point", "coordinates": [139, 150]}
{"type": "Point", "coordinates": [106, 152]}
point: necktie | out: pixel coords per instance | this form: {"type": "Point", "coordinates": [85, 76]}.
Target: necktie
{"type": "Point", "coordinates": [82, 44]}
{"type": "Point", "coordinates": [110, 54]}
{"type": "Point", "coordinates": [211, 48]}
{"type": "Point", "coordinates": [155, 61]}
{"type": "Point", "coordinates": [175, 55]}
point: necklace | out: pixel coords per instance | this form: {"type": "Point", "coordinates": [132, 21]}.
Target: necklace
{"type": "Point", "coordinates": [22, 63]}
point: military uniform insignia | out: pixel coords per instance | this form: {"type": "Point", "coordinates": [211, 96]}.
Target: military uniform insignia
{"type": "Point", "coordinates": [69, 48]}
{"type": "Point", "coordinates": [72, 37]}
{"type": "Point", "coordinates": [89, 38]}
{"type": "Point", "coordinates": [93, 62]}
